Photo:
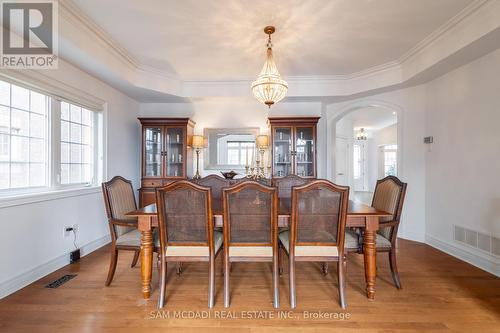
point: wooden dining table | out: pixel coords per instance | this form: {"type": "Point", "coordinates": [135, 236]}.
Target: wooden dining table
{"type": "Point", "coordinates": [358, 215]}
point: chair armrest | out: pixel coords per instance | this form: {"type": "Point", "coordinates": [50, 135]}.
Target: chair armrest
{"type": "Point", "coordinates": [388, 224]}
{"type": "Point", "coordinates": [124, 223]}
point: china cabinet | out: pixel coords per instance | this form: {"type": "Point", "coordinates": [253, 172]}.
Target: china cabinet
{"type": "Point", "coordinates": [293, 146]}
{"type": "Point", "coordinates": [165, 154]}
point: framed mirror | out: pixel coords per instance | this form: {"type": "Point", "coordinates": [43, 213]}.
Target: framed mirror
{"type": "Point", "coordinates": [229, 148]}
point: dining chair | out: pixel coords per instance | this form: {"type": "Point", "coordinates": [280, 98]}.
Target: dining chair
{"type": "Point", "coordinates": [250, 229]}
{"type": "Point", "coordinates": [119, 199]}
{"type": "Point", "coordinates": [216, 184]}
{"type": "Point", "coordinates": [185, 222]}
{"type": "Point", "coordinates": [285, 184]}
{"type": "Point", "coordinates": [389, 196]}
{"type": "Point", "coordinates": [317, 230]}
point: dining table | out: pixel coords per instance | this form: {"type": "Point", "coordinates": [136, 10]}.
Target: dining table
{"type": "Point", "coordinates": [359, 215]}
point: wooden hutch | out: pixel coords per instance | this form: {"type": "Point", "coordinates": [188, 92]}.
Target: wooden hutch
{"type": "Point", "coordinates": [165, 154]}
{"type": "Point", "coordinates": [293, 143]}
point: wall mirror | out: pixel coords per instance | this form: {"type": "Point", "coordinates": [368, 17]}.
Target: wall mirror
{"type": "Point", "coordinates": [229, 148]}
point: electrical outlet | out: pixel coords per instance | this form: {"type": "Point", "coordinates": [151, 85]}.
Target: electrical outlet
{"type": "Point", "coordinates": [67, 231]}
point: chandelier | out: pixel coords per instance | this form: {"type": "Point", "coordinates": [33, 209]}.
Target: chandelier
{"type": "Point", "coordinates": [269, 88]}
{"type": "Point", "coordinates": [361, 135]}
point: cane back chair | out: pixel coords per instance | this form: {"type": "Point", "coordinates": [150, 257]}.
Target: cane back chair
{"type": "Point", "coordinates": [250, 229]}
{"type": "Point", "coordinates": [317, 230]}
{"type": "Point", "coordinates": [186, 231]}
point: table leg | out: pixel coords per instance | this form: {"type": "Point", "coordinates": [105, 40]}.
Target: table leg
{"type": "Point", "coordinates": [370, 255]}
{"type": "Point", "coordinates": [146, 255]}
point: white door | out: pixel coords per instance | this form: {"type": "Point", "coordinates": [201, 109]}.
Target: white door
{"type": "Point", "coordinates": [342, 161]}
{"type": "Point", "coordinates": [359, 166]}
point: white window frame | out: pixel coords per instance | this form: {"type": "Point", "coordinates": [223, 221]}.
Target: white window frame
{"type": "Point", "coordinates": [56, 148]}
{"type": "Point", "coordinates": [389, 149]}
{"type": "Point", "coordinates": [33, 188]}
{"type": "Point", "coordinates": [243, 147]}
{"type": "Point", "coordinates": [58, 91]}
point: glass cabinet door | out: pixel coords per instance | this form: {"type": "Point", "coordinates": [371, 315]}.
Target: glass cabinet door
{"type": "Point", "coordinates": [282, 150]}
{"type": "Point", "coordinates": [175, 152]}
{"type": "Point", "coordinates": [152, 151]}
{"type": "Point", "coordinates": [304, 151]}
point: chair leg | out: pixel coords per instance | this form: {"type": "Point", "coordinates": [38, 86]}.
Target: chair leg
{"type": "Point", "coordinates": [324, 268]}
{"type": "Point", "coordinates": [341, 268]}
{"type": "Point", "coordinates": [276, 282]}
{"type": "Point", "coordinates": [211, 282]}
{"type": "Point", "coordinates": [163, 284]}
{"type": "Point", "coordinates": [280, 259]}
{"type": "Point", "coordinates": [394, 268]}
{"type": "Point", "coordinates": [179, 268]}
{"type": "Point", "coordinates": [136, 258]}
{"type": "Point", "coordinates": [112, 266]}
{"type": "Point", "coordinates": [222, 262]}
{"type": "Point", "coordinates": [291, 273]}
{"type": "Point", "coordinates": [226, 281]}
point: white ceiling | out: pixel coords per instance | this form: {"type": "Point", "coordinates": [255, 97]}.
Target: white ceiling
{"type": "Point", "coordinates": [371, 119]}
{"type": "Point", "coordinates": [223, 39]}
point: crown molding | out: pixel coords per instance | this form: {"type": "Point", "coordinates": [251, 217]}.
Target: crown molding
{"type": "Point", "coordinates": [73, 13]}
{"type": "Point", "coordinates": [442, 30]}
{"type": "Point", "coordinates": [158, 72]}
{"type": "Point", "coordinates": [338, 77]}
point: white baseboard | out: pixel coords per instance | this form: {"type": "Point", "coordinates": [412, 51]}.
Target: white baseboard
{"type": "Point", "coordinates": [479, 260]}
{"type": "Point", "coordinates": [412, 236]}
{"type": "Point", "coordinates": [22, 280]}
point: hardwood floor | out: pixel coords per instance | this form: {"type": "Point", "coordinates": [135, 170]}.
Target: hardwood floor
{"type": "Point", "coordinates": [440, 294]}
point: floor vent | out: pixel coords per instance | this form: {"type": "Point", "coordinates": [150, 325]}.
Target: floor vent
{"type": "Point", "coordinates": [478, 240]}
{"type": "Point", "coordinates": [62, 280]}
{"type": "Point", "coordinates": [495, 246]}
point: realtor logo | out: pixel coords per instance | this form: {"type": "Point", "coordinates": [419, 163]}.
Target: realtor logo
{"type": "Point", "coordinates": [29, 34]}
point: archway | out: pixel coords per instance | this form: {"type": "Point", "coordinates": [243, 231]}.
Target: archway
{"type": "Point", "coordinates": [366, 138]}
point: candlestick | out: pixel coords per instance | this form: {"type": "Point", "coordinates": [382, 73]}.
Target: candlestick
{"type": "Point", "coordinates": [253, 161]}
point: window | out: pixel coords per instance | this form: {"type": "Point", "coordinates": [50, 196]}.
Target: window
{"type": "Point", "coordinates": [240, 152]}
{"type": "Point", "coordinates": [45, 143]}
{"type": "Point", "coordinates": [76, 144]}
{"type": "Point", "coordinates": [390, 160]}
{"type": "Point", "coordinates": [23, 137]}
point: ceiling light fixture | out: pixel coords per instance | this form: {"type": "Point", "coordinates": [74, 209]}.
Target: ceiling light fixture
{"type": "Point", "coordinates": [361, 135]}
{"type": "Point", "coordinates": [269, 88]}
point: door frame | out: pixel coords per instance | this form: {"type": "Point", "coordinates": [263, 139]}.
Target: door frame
{"type": "Point", "coordinates": [338, 114]}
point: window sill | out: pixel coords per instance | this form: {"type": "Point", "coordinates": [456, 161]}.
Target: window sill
{"type": "Point", "coordinates": [30, 198]}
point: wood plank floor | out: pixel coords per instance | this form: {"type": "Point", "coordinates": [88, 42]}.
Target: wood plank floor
{"type": "Point", "coordinates": [441, 294]}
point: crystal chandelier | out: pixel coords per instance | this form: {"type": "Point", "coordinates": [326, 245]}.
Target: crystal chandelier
{"type": "Point", "coordinates": [269, 88]}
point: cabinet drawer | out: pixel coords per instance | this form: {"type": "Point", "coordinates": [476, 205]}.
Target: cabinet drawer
{"type": "Point", "coordinates": [151, 183]}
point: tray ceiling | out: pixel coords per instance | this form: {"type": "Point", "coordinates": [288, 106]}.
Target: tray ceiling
{"type": "Point", "coordinates": [223, 39]}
